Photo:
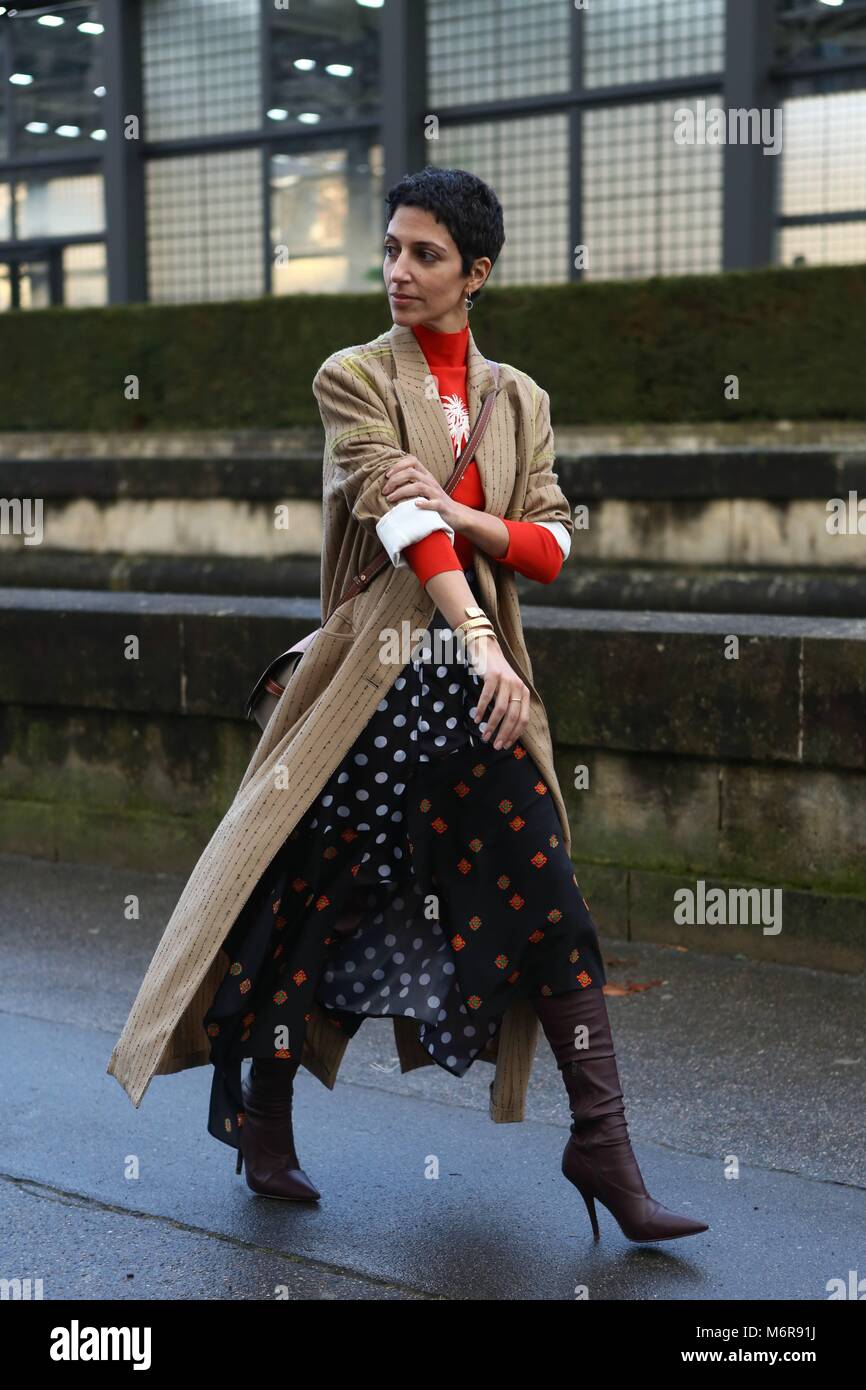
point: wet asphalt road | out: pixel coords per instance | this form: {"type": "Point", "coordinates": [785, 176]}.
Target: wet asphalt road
{"type": "Point", "coordinates": [744, 1086]}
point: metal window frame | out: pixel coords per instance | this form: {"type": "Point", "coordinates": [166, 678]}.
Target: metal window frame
{"type": "Point", "coordinates": [750, 77]}
{"type": "Point", "coordinates": [750, 178]}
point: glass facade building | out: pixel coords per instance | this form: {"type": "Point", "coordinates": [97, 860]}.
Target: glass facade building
{"type": "Point", "coordinates": [176, 150]}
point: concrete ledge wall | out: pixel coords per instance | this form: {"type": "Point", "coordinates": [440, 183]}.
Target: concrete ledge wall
{"type": "Point", "coordinates": [736, 528]}
{"type": "Point", "coordinates": [742, 772]}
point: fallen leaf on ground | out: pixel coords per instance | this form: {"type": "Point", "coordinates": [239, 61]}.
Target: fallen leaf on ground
{"type": "Point", "coordinates": [632, 987]}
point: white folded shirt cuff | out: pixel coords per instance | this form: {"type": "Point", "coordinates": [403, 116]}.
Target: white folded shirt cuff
{"type": "Point", "coordinates": [405, 524]}
{"type": "Point", "coordinates": [561, 535]}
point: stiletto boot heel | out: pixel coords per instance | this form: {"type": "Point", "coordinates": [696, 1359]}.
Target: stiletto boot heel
{"type": "Point", "coordinates": [240, 1163]}
{"type": "Point", "coordinates": [589, 1203]}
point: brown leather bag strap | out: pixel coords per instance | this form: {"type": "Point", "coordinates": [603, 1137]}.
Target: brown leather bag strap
{"type": "Point", "coordinates": [463, 461]}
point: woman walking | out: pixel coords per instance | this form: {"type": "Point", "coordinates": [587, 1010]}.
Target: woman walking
{"type": "Point", "coordinates": [427, 877]}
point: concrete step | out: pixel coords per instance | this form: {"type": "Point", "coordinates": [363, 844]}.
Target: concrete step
{"type": "Point", "coordinates": [746, 471]}
{"type": "Point", "coordinates": [684, 589]}
{"type": "Point", "coordinates": [747, 528]}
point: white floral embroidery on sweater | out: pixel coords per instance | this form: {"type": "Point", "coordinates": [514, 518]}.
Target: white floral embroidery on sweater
{"type": "Point", "coordinates": [457, 417]}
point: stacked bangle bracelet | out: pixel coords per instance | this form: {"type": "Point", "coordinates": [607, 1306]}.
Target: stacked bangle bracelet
{"type": "Point", "coordinates": [476, 627]}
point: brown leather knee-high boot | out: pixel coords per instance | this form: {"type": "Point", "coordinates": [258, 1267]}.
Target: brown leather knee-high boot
{"type": "Point", "coordinates": [267, 1144]}
{"type": "Point", "coordinates": [598, 1157]}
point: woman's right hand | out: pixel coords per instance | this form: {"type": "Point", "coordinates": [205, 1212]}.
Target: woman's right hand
{"type": "Point", "coordinates": [503, 690]}
{"type": "Point", "coordinates": [411, 478]}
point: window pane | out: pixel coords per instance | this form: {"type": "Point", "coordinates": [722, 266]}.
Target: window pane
{"type": "Point", "coordinates": [324, 62]}
{"type": "Point", "coordinates": [57, 107]}
{"type": "Point", "coordinates": [824, 154]}
{"type": "Point", "coordinates": [205, 226]}
{"type": "Point", "coordinates": [59, 205]}
{"type": "Point", "coordinates": [492, 49]}
{"type": "Point", "coordinates": [4, 109]}
{"type": "Point", "coordinates": [822, 32]}
{"type": "Point", "coordinates": [327, 219]}
{"type": "Point", "coordinates": [834, 242]}
{"type": "Point", "coordinates": [34, 285]}
{"type": "Point", "coordinates": [650, 206]}
{"type": "Point", "coordinates": [5, 210]}
{"type": "Point", "coordinates": [84, 275]}
{"type": "Point", "coordinates": [645, 40]}
{"type": "Point", "coordinates": [200, 67]}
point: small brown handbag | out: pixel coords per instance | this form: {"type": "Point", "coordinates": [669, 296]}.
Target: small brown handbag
{"type": "Point", "coordinates": [266, 692]}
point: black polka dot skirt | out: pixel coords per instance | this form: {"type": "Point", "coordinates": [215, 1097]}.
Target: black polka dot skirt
{"type": "Point", "coordinates": [428, 879]}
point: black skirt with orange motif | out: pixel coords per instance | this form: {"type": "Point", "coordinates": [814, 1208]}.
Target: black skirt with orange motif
{"type": "Point", "coordinates": [428, 879]}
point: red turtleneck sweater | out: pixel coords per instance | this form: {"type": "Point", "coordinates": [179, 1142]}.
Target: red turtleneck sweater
{"type": "Point", "coordinates": [532, 550]}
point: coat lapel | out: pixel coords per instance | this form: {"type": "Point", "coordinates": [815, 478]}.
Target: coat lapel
{"type": "Point", "coordinates": [426, 428]}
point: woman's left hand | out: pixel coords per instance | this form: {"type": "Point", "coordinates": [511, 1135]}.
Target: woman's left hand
{"type": "Point", "coordinates": [409, 478]}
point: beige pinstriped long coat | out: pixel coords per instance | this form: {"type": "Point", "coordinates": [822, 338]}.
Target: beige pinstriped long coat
{"type": "Point", "coordinates": [376, 405]}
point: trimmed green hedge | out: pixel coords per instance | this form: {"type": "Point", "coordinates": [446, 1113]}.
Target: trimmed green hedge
{"type": "Point", "coordinates": [615, 351]}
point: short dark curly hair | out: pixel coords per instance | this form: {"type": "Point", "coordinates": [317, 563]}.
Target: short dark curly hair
{"type": "Point", "coordinates": [465, 204]}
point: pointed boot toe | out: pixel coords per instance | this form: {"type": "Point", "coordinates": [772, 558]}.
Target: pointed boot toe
{"type": "Point", "coordinates": [268, 1177]}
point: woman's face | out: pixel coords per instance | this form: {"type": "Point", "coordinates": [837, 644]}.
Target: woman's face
{"type": "Point", "coordinates": [422, 262]}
